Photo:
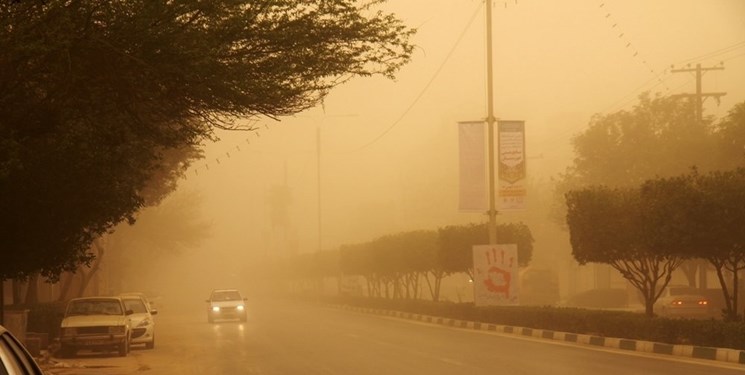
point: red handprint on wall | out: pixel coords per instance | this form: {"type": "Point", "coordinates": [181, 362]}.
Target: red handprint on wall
{"type": "Point", "coordinates": [498, 281]}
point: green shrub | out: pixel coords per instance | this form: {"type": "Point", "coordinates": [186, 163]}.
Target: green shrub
{"type": "Point", "coordinates": [45, 318]}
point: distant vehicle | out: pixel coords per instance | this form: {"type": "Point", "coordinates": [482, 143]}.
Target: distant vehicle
{"type": "Point", "coordinates": [682, 301]}
{"type": "Point", "coordinates": [143, 324]}
{"type": "Point", "coordinates": [539, 286]}
{"type": "Point", "coordinates": [226, 304]}
{"type": "Point", "coordinates": [95, 323]}
{"type": "Point", "coordinates": [14, 358]}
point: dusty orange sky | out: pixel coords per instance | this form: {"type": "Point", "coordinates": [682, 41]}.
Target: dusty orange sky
{"type": "Point", "coordinates": [389, 148]}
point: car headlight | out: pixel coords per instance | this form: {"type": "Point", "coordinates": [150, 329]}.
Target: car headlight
{"type": "Point", "coordinates": [144, 322]}
{"type": "Point", "coordinates": [117, 330]}
{"type": "Point", "coordinates": [216, 308]}
{"type": "Point", "coordinates": [69, 331]}
{"type": "Point", "coordinates": [240, 308]}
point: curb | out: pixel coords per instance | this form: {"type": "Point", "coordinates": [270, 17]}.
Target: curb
{"type": "Point", "coordinates": [690, 351]}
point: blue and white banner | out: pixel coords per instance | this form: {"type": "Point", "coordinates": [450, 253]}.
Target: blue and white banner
{"type": "Point", "coordinates": [512, 166]}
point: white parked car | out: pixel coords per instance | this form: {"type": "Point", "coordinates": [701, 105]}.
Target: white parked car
{"type": "Point", "coordinates": [143, 324]}
{"type": "Point", "coordinates": [149, 301]}
{"type": "Point", "coordinates": [95, 323]}
{"type": "Point", "coordinates": [683, 302]}
{"type": "Point", "coordinates": [226, 304]}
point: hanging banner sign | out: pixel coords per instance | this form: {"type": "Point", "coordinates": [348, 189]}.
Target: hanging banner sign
{"type": "Point", "coordinates": [495, 275]}
{"type": "Point", "coordinates": [512, 166]}
{"type": "Point", "coordinates": [472, 163]}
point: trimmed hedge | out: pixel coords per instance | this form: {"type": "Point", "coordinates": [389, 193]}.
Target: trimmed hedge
{"type": "Point", "coordinates": [620, 324]}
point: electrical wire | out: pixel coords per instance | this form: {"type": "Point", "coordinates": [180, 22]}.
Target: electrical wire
{"type": "Point", "coordinates": [715, 53]}
{"type": "Point", "coordinates": [426, 87]}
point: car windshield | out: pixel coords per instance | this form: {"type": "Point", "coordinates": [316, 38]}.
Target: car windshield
{"type": "Point", "coordinates": [135, 304]}
{"type": "Point", "coordinates": [94, 307]}
{"type": "Point", "coordinates": [226, 295]}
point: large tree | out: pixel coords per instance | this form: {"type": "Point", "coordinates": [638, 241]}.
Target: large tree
{"type": "Point", "coordinates": [617, 227]}
{"type": "Point", "coordinates": [658, 137]}
{"type": "Point", "coordinates": [731, 138]}
{"type": "Point", "coordinates": [703, 217]}
{"type": "Point", "coordinates": [646, 232]}
{"type": "Point", "coordinates": [94, 94]}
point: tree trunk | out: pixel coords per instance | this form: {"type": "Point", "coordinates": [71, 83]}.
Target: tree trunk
{"type": "Point", "coordinates": [86, 277]}
{"type": "Point", "coordinates": [649, 306]}
{"type": "Point", "coordinates": [17, 288]}
{"type": "Point", "coordinates": [735, 292]}
{"type": "Point", "coordinates": [32, 292]}
{"type": "Point", "coordinates": [438, 284]}
{"type": "Point", "coordinates": [66, 284]}
{"type": "Point", "coordinates": [727, 298]}
{"type": "Point", "coordinates": [434, 284]}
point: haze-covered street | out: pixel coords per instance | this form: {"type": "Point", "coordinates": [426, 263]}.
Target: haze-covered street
{"type": "Point", "coordinates": [292, 338]}
{"type": "Point", "coordinates": [571, 168]}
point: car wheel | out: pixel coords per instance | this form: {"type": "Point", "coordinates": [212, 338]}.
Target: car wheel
{"type": "Point", "coordinates": [151, 344]}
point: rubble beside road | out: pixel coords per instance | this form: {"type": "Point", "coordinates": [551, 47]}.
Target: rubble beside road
{"type": "Point", "coordinates": [89, 365]}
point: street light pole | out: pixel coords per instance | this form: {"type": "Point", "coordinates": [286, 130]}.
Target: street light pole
{"type": "Point", "coordinates": [318, 181]}
{"type": "Point", "coordinates": [318, 173]}
{"type": "Point", "coordinates": [490, 119]}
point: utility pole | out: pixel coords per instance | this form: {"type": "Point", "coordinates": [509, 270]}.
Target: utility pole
{"type": "Point", "coordinates": [699, 96]}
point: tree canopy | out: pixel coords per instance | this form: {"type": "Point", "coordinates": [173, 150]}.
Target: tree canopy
{"type": "Point", "coordinates": [616, 227]}
{"type": "Point", "coordinates": [457, 241]}
{"type": "Point", "coordinates": [646, 232]}
{"type": "Point", "coordinates": [659, 137]}
{"type": "Point", "coordinates": [95, 96]}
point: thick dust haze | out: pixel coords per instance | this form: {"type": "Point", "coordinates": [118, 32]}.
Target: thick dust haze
{"type": "Point", "coordinates": [388, 149]}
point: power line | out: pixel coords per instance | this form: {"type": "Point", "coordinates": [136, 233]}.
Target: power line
{"type": "Point", "coordinates": [426, 87]}
{"type": "Point", "coordinates": [623, 100]}
{"type": "Point", "coordinates": [714, 53]}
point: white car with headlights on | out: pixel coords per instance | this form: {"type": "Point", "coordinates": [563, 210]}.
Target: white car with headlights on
{"type": "Point", "coordinates": [680, 301]}
{"type": "Point", "coordinates": [143, 324]}
{"type": "Point", "coordinates": [95, 323]}
{"type": "Point", "coordinates": [226, 304]}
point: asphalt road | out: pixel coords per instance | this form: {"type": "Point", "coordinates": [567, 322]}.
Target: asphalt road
{"type": "Point", "coordinates": [288, 338]}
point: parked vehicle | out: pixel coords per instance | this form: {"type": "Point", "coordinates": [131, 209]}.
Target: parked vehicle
{"type": "Point", "coordinates": [143, 324]}
{"type": "Point", "coordinates": [14, 358]}
{"type": "Point", "coordinates": [226, 304]}
{"type": "Point", "coordinates": [682, 301]}
{"type": "Point", "coordinates": [149, 301]}
{"type": "Point", "coordinates": [95, 323]}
